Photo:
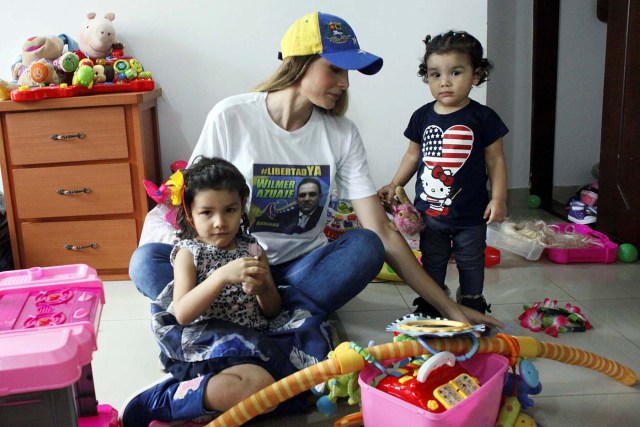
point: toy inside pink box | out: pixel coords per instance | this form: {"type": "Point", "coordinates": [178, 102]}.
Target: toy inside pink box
{"type": "Point", "coordinates": [606, 253]}
{"type": "Point", "coordinates": [49, 319]}
{"type": "Point", "coordinates": [478, 410]}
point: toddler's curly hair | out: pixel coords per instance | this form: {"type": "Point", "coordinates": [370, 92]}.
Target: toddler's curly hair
{"type": "Point", "coordinates": [456, 41]}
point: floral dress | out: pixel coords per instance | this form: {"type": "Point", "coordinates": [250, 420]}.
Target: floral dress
{"type": "Point", "coordinates": [233, 330]}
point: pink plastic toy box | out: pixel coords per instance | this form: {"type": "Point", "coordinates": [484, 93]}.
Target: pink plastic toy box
{"type": "Point", "coordinates": [606, 253]}
{"type": "Point", "coordinates": [380, 409]}
{"type": "Point", "coordinates": [49, 320]}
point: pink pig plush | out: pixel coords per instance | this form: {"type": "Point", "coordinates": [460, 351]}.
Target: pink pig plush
{"type": "Point", "coordinates": [97, 36]}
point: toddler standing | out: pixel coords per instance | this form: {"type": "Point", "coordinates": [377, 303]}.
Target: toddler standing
{"type": "Point", "coordinates": [455, 144]}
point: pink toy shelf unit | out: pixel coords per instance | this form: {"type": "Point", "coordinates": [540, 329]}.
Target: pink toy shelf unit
{"type": "Point", "coordinates": [49, 321]}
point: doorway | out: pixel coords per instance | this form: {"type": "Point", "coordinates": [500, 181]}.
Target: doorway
{"type": "Point", "coordinates": [567, 88]}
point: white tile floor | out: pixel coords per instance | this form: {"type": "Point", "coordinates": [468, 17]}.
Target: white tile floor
{"type": "Point", "coordinates": [609, 294]}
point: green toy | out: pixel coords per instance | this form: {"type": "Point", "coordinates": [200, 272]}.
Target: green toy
{"type": "Point", "coordinates": [534, 201]}
{"type": "Point", "coordinates": [627, 252]}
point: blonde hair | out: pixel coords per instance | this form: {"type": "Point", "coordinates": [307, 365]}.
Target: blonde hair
{"type": "Point", "coordinates": [291, 71]}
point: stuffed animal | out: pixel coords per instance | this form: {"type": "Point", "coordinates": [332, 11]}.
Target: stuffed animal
{"type": "Point", "coordinates": [35, 49]}
{"type": "Point", "coordinates": [527, 382]}
{"type": "Point", "coordinates": [50, 49]}
{"type": "Point", "coordinates": [406, 218]}
{"type": "Point", "coordinates": [40, 72]}
{"type": "Point", "coordinates": [97, 35]}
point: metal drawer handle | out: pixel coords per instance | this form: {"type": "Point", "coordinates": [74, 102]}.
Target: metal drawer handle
{"type": "Point", "coordinates": [58, 137]}
{"type": "Point", "coordinates": [79, 247]}
{"type": "Point", "coordinates": [67, 192]}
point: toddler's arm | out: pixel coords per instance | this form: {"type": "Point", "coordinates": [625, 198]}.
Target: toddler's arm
{"type": "Point", "coordinates": [497, 168]}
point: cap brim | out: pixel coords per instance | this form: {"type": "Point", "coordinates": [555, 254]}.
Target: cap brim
{"type": "Point", "coordinates": [365, 62]}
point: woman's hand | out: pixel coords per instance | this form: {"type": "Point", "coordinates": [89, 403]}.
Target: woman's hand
{"type": "Point", "coordinates": [465, 314]}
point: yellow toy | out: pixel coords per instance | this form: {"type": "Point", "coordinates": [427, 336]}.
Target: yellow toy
{"type": "Point", "coordinates": [387, 274]}
{"type": "Point", "coordinates": [5, 89]}
{"type": "Point", "coordinates": [345, 385]}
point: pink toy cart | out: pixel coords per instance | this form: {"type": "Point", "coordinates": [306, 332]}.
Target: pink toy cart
{"type": "Point", "coordinates": [49, 320]}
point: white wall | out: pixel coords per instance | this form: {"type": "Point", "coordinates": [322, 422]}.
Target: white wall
{"type": "Point", "coordinates": [201, 51]}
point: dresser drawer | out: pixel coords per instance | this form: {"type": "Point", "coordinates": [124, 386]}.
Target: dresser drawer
{"type": "Point", "coordinates": [37, 190]}
{"type": "Point", "coordinates": [44, 243]}
{"type": "Point", "coordinates": [30, 135]}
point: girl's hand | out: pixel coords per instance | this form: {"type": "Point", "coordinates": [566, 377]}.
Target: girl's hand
{"type": "Point", "coordinates": [496, 211]}
{"type": "Point", "coordinates": [259, 285]}
{"type": "Point", "coordinates": [387, 193]}
{"type": "Point", "coordinates": [249, 271]}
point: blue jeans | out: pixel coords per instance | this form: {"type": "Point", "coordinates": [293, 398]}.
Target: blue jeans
{"type": "Point", "coordinates": [330, 275]}
{"type": "Point", "coordinates": [438, 241]}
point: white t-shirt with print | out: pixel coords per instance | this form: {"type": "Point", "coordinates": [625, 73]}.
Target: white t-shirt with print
{"type": "Point", "coordinates": [326, 149]}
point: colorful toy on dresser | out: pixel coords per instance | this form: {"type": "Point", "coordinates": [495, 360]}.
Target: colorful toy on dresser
{"type": "Point", "coordinates": [49, 320]}
{"type": "Point", "coordinates": [94, 64]}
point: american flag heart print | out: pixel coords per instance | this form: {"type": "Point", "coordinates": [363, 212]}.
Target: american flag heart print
{"type": "Point", "coordinates": [449, 149]}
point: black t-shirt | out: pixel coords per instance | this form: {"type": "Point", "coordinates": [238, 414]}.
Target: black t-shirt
{"type": "Point", "coordinates": [452, 174]}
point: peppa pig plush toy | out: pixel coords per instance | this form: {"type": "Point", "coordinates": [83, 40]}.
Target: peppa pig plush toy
{"type": "Point", "coordinates": [96, 37]}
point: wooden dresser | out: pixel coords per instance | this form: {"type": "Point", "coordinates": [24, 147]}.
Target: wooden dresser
{"type": "Point", "coordinates": [72, 170]}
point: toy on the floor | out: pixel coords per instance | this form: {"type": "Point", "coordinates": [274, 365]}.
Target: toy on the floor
{"type": "Point", "coordinates": [579, 243]}
{"type": "Point", "coordinates": [49, 320]}
{"type": "Point", "coordinates": [388, 274]}
{"type": "Point", "coordinates": [562, 242]}
{"type": "Point", "coordinates": [510, 415]}
{"type": "Point", "coordinates": [534, 201]}
{"type": "Point", "coordinates": [483, 364]}
{"type": "Point", "coordinates": [339, 386]}
{"type": "Point", "coordinates": [627, 252]}
{"type": "Point", "coordinates": [522, 384]}
{"type": "Point", "coordinates": [518, 385]}
{"type": "Point", "coordinates": [548, 317]}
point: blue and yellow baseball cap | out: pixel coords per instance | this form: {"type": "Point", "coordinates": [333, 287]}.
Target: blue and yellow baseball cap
{"type": "Point", "coordinates": [330, 37]}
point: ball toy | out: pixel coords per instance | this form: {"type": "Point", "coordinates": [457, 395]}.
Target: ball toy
{"type": "Point", "coordinates": [627, 252]}
{"type": "Point", "coordinates": [534, 201]}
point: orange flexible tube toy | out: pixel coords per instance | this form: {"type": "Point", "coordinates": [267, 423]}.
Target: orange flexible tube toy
{"type": "Point", "coordinates": [349, 361]}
